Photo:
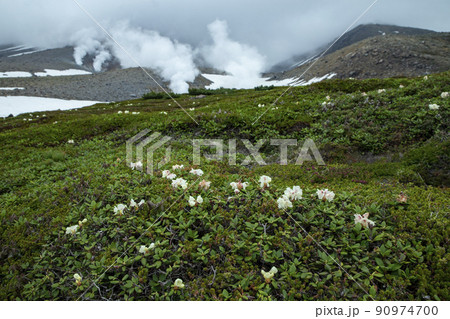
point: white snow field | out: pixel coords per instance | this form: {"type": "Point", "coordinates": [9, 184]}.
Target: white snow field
{"type": "Point", "coordinates": [47, 72]}
{"type": "Point", "coordinates": [50, 72]}
{"type": "Point", "coordinates": [15, 74]}
{"type": "Point", "coordinates": [11, 88]}
{"type": "Point", "coordinates": [230, 81]}
{"type": "Point", "coordinates": [25, 104]}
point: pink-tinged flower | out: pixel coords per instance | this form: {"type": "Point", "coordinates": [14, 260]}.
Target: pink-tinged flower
{"type": "Point", "coordinates": [294, 193]}
{"type": "Point", "coordinates": [402, 198]}
{"type": "Point", "coordinates": [264, 181]}
{"type": "Point", "coordinates": [165, 173]}
{"type": "Point", "coordinates": [204, 184]}
{"type": "Point", "coordinates": [177, 166]}
{"type": "Point", "coordinates": [325, 195]}
{"type": "Point", "coordinates": [238, 186]}
{"type": "Point", "coordinates": [364, 220]}
{"type": "Point", "coordinates": [284, 202]}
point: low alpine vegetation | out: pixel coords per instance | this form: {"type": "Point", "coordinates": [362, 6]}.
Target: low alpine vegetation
{"type": "Point", "coordinates": [78, 222]}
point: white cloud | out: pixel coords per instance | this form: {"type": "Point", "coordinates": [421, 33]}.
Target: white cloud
{"type": "Point", "coordinates": [245, 63]}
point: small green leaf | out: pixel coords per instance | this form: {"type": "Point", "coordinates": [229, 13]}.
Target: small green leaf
{"type": "Point", "coordinates": [379, 262]}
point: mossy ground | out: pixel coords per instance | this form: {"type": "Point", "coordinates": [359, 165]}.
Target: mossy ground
{"type": "Point", "coordinates": [376, 146]}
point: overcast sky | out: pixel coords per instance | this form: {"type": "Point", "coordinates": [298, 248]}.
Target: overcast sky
{"type": "Point", "coordinates": [277, 29]}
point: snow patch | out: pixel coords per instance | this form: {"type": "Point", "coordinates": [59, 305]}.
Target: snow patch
{"type": "Point", "coordinates": [233, 82]}
{"type": "Point", "coordinates": [23, 104]}
{"type": "Point", "coordinates": [15, 74]}
{"type": "Point", "coordinates": [314, 80]}
{"type": "Point", "coordinates": [23, 53]}
{"type": "Point", "coordinates": [17, 48]}
{"type": "Point", "coordinates": [50, 72]}
{"type": "Point", "coordinates": [12, 88]}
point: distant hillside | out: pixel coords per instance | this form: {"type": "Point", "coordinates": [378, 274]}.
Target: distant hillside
{"type": "Point", "coordinates": [365, 31]}
{"type": "Point", "coordinates": [112, 84]}
{"type": "Point", "coordinates": [22, 58]}
{"type": "Point", "coordinates": [382, 56]}
{"type": "Point", "coordinates": [359, 33]}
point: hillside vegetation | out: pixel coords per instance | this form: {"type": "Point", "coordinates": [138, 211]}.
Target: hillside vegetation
{"type": "Point", "coordinates": [386, 153]}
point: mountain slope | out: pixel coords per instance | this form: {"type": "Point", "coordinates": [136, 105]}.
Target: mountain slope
{"type": "Point", "coordinates": [359, 33]}
{"type": "Point", "coordinates": [383, 56]}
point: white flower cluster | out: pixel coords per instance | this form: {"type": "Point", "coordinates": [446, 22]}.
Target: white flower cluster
{"type": "Point", "coordinates": [197, 172]}
{"type": "Point", "coordinates": [325, 195]}
{"type": "Point", "coordinates": [82, 222]}
{"type": "Point", "coordinates": [261, 105]}
{"type": "Point", "coordinates": [136, 205]}
{"type": "Point", "coordinates": [178, 284]}
{"type": "Point", "coordinates": [128, 112]}
{"type": "Point", "coordinates": [238, 186]}
{"type": "Point", "coordinates": [72, 230]}
{"type": "Point", "coordinates": [179, 182]}
{"type": "Point", "coordinates": [444, 95]}
{"type": "Point", "coordinates": [78, 279]}
{"type": "Point", "coordinates": [269, 275]}
{"type": "Point", "coordinates": [284, 202]}
{"type": "Point", "coordinates": [204, 184]}
{"type": "Point", "coordinates": [433, 107]}
{"type": "Point", "coordinates": [138, 165]}
{"type": "Point", "coordinates": [364, 220]}
{"type": "Point", "coordinates": [264, 181]}
{"type": "Point", "coordinates": [381, 91]}
{"type": "Point", "coordinates": [119, 209]}
{"type": "Point", "coordinates": [294, 193]}
{"type": "Point", "coordinates": [146, 250]}
{"type": "Point", "coordinates": [195, 201]}
{"type": "Point", "coordinates": [290, 194]}
{"type": "Point", "coordinates": [70, 142]}
{"type": "Point", "coordinates": [167, 174]}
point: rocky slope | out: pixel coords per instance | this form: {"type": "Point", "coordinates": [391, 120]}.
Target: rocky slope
{"type": "Point", "coordinates": [382, 56]}
{"type": "Point", "coordinates": [116, 85]}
